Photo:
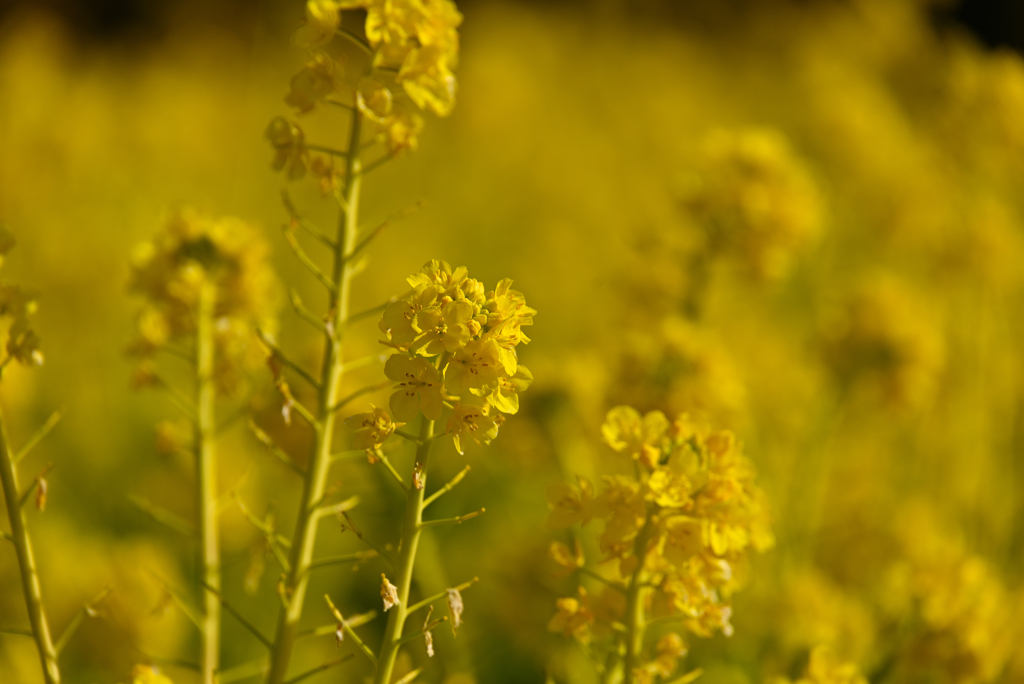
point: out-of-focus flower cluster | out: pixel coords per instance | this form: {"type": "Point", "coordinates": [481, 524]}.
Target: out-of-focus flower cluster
{"type": "Point", "coordinates": [685, 526]}
{"type": "Point", "coordinates": [755, 200]}
{"type": "Point", "coordinates": [824, 668]}
{"type": "Point", "coordinates": [456, 346]}
{"type": "Point", "coordinates": [18, 304]}
{"type": "Point", "coordinates": [194, 252]}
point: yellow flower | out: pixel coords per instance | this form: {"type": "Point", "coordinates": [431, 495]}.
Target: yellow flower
{"type": "Point", "coordinates": [444, 328]}
{"type": "Point", "coordinates": [574, 617]}
{"type": "Point", "coordinates": [570, 505]}
{"type": "Point", "coordinates": [625, 431]}
{"type": "Point", "coordinates": [314, 82]}
{"type": "Point", "coordinates": [475, 368]}
{"type": "Point", "coordinates": [473, 421]}
{"type": "Point", "coordinates": [290, 153]}
{"type": "Point", "coordinates": [505, 396]}
{"type": "Point", "coordinates": [371, 429]}
{"type": "Point", "coordinates": [400, 319]}
{"type": "Point", "coordinates": [322, 21]}
{"type": "Point", "coordinates": [418, 388]}
{"type": "Point", "coordinates": [146, 674]}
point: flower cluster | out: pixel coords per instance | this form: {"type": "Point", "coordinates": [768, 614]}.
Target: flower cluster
{"type": "Point", "coordinates": [456, 346]}
{"type": "Point", "coordinates": [755, 200]}
{"type": "Point", "coordinates": [413, 46]}
{"type": "Point", "coordinates": [886, 342]}
{"type": "Point", "coordinates": [194, 253]}
{"type": "Point", "coordinates": [18, 304]}
{"type": "Point", "coordinates": [684, 526]}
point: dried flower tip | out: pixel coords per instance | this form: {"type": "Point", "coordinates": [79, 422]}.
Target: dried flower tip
{"type": "Point", "coordinates": [339, 634]}
{"type": "Point", "coordinates": [455, 608]}
{"type": "Point", "coordinates": [418, 479]}
{"type": "Point", "coordinates": [427, 635]}
{"type": "Point", "coordinates": [388, 592]}
{"type": "Point", "coordinates": [41, 493]}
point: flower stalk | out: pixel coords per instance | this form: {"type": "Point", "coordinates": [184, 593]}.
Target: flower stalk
{"type": "Point", "coordinates": [26, 562]}
{"type": "Point", "coordinates": [315, 476]}
{"type": "Point", "coordinates": [412, 528]}
{"type": "Point", "coordinates": [206, 483]}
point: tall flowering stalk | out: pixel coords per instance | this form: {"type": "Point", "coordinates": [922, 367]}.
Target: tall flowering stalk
{"type": "Point", "coordinates": [401, 65]}
{"type": "Point", "coordinates": [456, 358]}
{"type": "Point", "coordinates": [676, 537]}
{"type": "Point", "coordinates": [207, 286]}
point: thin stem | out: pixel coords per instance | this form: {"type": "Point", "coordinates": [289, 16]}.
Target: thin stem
{"type": "Point", "coordinates": [346, 626]}
{"type": "Point", "coordinates": [360, 392]}
{"type": "Point", "coordinates": [412, 528]}
{"type": "Point", "coordinates": [447, 488]}
{"type": "Point", "coordinates": [206, 484]}
{"type": "Point", "coordinates": [438, 596]}
{"type": "Point", "coordinates": [238, 616]}
{"type": "Point", "coordinates": [320, 668]}
{"type": "Point", "coordinates": [635, 595]}
{"type": "Point", "coordinates": [26, 562]}
{"type": "Point", "coordinates": [315, 481]}
{"type": "Point", "coordinates": [346, 558]}
{"type": "Point", "coordinates": [458, 520]}
{"type": "Point", "coordinates": [50, 423]}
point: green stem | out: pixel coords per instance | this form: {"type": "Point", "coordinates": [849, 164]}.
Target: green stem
{"type": "Point", "coordinates": [26, 561]}
{"type": "Point", "coordinates": [411, 530]}
{"type": "Point", "coordinates": [635, 595]}
{"type": "Point", "coordinates": [315, 479]}
{"type": "Point", "coordinates": [206, 476]}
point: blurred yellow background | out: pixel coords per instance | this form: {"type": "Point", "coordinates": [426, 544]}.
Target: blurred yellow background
{"type": "Point", "coordinates": [803, 221]}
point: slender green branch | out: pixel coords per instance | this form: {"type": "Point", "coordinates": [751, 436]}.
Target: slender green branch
{"type": "Point", "coordinates": [458, 520]}
{"type": "Point", "coordinates": [238, 616]}
{"type": "Point", "coordinates": [39, 435]}
{"type": "Point", "coordinates": [380, 552]}
{"type": "Point", "coordinates": [17, 632]}
{"type": "Point", "coordinates": [304, 313]}
{"type": "Point", "coordinates": [412, 438]}
{"type": "Point", "coordinates": [394, 473]}
{"type": "Point", "coordinates": [347, 627]}
{"type": "Point", "coordinates": [243, 671]}
{"type": "Point", "coordinates": [356, 40]}
{"type": "Point", "coordinates": [163, 516]}
{"type": "Point", "coordinates": [320, 668]}
{"type": "Point", "coordinates": [36, 482]}
{"type": "Point", "coordinates": [411, 676]}
{"type": "Point", "coordinates": [326, 150]}
{"type": "Point", "coordinates": [304, 259]}
{"type": "Point", "coordinates": [323, 510]}
{"type": "Point", "coordinates": [438, 596]}
{"type": "Point", "coordinates": [447, 488]}
{"type": "Point", "coordinates": [372, 166]}
{"type": "Point", "coordinates": [176, 398]}
{"type": "Point", "coordinates": [180, 601]}
{"type": "Point", "coordinates": [368, 313]}
{"type": "Point", "coordinates": [369, 389]}
{"type": "Point", "coordinates": [303, 223]}
{"type": "Point", "coordinates": [356, 557]}
{"type": "Point", "coordinates": [277, 451]}
{"type": "Point", "coordinates": [264, 527]}
{"type": "Point", "coordinates": [365, 242]}
{"type": "Point", "coordinates": [419, 635]}
{"type": "Point", "coordinates": [88, 610]}
{"type": "Point", "coordinates": [280, 356]}
{"type": "Point", "coordinates": [603, 580]}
